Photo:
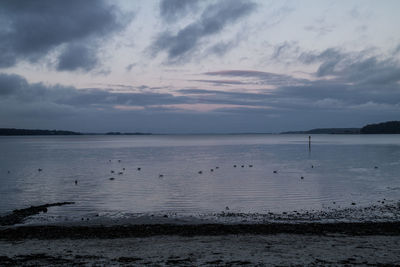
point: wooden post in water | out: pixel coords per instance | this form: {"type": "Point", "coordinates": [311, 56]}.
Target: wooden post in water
{"type": "Point", "coordinates": [309, 143]}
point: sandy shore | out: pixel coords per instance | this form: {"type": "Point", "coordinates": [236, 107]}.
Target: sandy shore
{"type": "Point", "coordinates": [366, 244]}
{"type": "Point", "coordinates": [324, 239]}
{"type": "Point", "coordinates": [226, 250]}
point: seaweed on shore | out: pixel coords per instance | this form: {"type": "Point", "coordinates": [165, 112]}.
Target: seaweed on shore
{"type": "Point", "coordinates": [17, 216]}
{"type": "Point", "coordinates": [104, 232]}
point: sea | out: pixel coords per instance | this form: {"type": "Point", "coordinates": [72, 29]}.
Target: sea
{"type": "Point", "coordinates": [197, 174]}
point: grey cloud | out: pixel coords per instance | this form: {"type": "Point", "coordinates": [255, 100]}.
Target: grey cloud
{"type": "Point", "coordinates": [172, 10]}
{"type": "Point", "coordinates": [212, 21]}
{"type": "Point", "coordinates": [358, 67]}
{"type": "Point", "coordinates": [77, 56]}
{"type": "Point", "coordinates": [16, 88]}
{"type": "Point", "coordinates": [33, 29]}
{"type": "Point", "coordinates": [279, 49]}
{"type": "Point", "coordinates": [9, 84]}
{"type": "Point", "coordinates": [222, 48]}
{"type": "Point", "coordinates": [396, 50]}
{"type": "Point", "coordinates": [293, 107]}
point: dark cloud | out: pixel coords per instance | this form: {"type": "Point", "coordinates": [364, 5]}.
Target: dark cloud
{"type": "Point", "coordinates": [16, 89]}
{"type": "Point", "coordinates": [33, 29]}
{"type": "Point", "coordinates": [212, 21]}
{"type": "Point", "coordinates": [77, 56]}
{"type": "Point", "coordinates": [9, 84]}
{"type": "Point", "coordinates": [356, 67]}
{"type": "Point", "coordinates": [172, 10]}
{"type": "Point", "coordinates": [348, 90]}
{"type": "Point", "coordinates": [336, 103]}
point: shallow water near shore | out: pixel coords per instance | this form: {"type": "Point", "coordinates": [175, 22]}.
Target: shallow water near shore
{"type": "Point", "coordinates": [340, 171]}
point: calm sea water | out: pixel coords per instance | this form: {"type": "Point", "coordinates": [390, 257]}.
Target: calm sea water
{"type": "Point", "coordinates": [344, 172]}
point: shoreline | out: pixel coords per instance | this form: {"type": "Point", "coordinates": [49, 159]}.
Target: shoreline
{"type": "Point", "coordinates": [150, 230]}
{"type": "Point", "coordinates": [372, 240]}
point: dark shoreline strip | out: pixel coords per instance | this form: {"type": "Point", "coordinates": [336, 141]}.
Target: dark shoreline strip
{"type": "Point", "coordinates": [78, 232]}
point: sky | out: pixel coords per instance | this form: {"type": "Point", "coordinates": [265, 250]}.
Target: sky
{"type": "Point", "coordinates": [210, 66]}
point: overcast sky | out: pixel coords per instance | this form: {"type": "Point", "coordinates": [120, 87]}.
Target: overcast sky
{"type": "Point", "coordinates": [176, 66]}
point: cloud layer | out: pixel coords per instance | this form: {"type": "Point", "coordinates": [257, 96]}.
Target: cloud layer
{"type": "Point", "coordinates": [34, 29]}
{"type": "Point", "coordinates": [215, 18]}
{"type": "Point", "coordinates": [197, 66]}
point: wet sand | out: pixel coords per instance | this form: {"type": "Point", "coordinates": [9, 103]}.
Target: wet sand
{"type": "Point", "coordinates": [365, 236]}
{"type": "Point", "coordinates": [222, 250]}
{"type": "Point", "coordinates": [149, 230]}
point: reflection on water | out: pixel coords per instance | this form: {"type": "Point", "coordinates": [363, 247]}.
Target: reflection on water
{"type": "Point", "coordinates": [339, 170]}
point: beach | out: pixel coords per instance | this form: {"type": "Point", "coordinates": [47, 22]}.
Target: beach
{"type": "Point", "coordinates": [329, 249]}
{"type": "Point", "coordinates": [164, 241]}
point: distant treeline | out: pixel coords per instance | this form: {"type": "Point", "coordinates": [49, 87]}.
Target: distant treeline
{"type": "Point", "coordinates": [12, 131]}
{"type": "Point", "coordinates": [390, 127]}
{"type": "Point", "coordinates": [327, 131]}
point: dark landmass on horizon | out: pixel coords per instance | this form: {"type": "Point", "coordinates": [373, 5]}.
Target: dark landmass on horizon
{"type": "Point", "coordinates": [327, 131]}
{"type": "Point", "coordinates": [389, 127]}
{"type": "Point", "coordinates": [12, 131]}
{"type": "Point", "coordinates": [22, 132]}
